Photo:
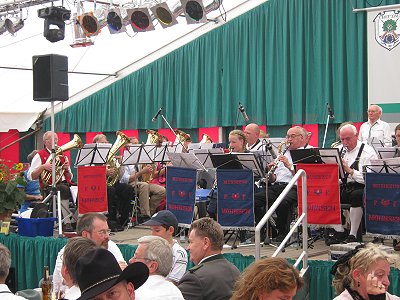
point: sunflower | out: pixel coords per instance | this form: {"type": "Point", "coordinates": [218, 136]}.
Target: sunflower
{"type": "Point", "coordinates": [18, 166]}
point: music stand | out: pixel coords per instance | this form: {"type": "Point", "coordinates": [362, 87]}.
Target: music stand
{"type": "Point", "coordinates": [318, 156]}
{"type": "Point", "coordinates": [374, 142]}
{"type": "Point", "coordinates": [250, 161]}
{"type": "Point", "coordinates": [185, 160]}
{"type": "Point", "coordinates": [386, 152]}
{"type": "Point", "coordinates": [388, 165]}
{"type": "Point", "coordinates": [226, 161]}
{"type": "Point", "coordinates": [204, 156]}
{"type": "Point", "coordinates": [160, 154]}
{"type": "Point", "coordinates": [92, 154]}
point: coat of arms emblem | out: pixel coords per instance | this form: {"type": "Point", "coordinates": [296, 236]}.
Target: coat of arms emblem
{"type": "Point", "coordinates": [387, 29]}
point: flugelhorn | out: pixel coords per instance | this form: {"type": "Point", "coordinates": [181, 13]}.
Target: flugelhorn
{"type": "Point", "coordinates": [59, 162]}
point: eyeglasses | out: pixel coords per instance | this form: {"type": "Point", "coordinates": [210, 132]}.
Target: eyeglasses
{"type": "Point", "coordinates": [292, 136]}
{"type": "Point", "coordinates": [104, 231]}
{"type": "Point", "coordinates": [372, 111]}
{"type": "Point", "coordinates": [142, 258]}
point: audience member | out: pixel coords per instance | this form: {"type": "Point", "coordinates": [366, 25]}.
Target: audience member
{"type": "Point", "coordinates": [75, 248]}
{"type": "Point", "coordinates": [100, 277]}
{"type": "Point", "coordinates": [92, 226]}
{"type": "Point", "coordinates": [375, 127]}
{"type": "Point", "coordinates": [270, 278]}
{"type": "Point", "coordinates": [213, 277]}
{"type": "Point", "coordinates": [363, 273]}
{"type": "Point", "coordinates": [164, 224]}
{"type": "Point", "coordinates": [5, 264]}
{"type": "Point", "coordinates": [155, 252]}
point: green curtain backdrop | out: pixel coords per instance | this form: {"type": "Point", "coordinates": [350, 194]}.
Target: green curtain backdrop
{"type": "Point", "coordinates": [283, 60]}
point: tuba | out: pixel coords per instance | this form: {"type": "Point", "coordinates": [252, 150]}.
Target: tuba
{"type": "Point", "coordinates": [59, 162]}
{"type": "Point", "coordinates": [112, 161]}
{"type": "Point", "coordinates": [206, 139]}
{"type": "Point", "coordinates": [153, 137]}
{"type": "Point", "coordinates": [181, 136]}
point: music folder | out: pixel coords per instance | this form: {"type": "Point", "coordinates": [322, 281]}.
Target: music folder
{"type": "Point", "coordinates": [92, 154]}
{"type": "Point", "coordinates": [236, 160]}
{"type": "Point", "coordinates": [318, 156]}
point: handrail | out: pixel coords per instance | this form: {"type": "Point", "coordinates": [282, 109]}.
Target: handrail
{"type": "Point", "coordinates": [302, 219]}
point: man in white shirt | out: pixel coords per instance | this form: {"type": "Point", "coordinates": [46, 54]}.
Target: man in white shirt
{"type": "Point", "coordinates": [5, 264]}
{"type": "Point", "coordinates": [375, 127]}
{"type": "Point", "coordinates": [75, 248]}
{"type": "Point", "coordinates": [355, 156]}
{"type": "Point", "coordinates": [252, 132]}
{"type": "Point", "coordinates": [164, 224]}
{"type": "Point", "coordinates": [155, 252]}
{"type": "Point", "coordinates": [297, 138]}
{"type": "Point", "coordinates": [92, 226]}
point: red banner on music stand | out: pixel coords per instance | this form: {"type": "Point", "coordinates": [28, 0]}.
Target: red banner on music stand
{"type": "Point", "coordinates": [323, 196]}
{"type": "Point", "coordinates": [92, 189]}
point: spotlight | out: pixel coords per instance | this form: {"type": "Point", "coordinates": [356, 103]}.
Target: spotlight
{"type": "Point", "coordinates": [115, 22]}
{"type": "Point", "coordinates": [54, 18]}
{"type": "Point", "coordinates": [79, 38]}
{"type": "Point", "coordinates": [13, 26]}
{"type": "Point", "coordinates": [164, 15]}
{"type": "Point", "coordinates": [140, 19]}
{"type": "Point", "coordinates": [194, 11]}
{"type": "Point", "coordinates": [91, 24]}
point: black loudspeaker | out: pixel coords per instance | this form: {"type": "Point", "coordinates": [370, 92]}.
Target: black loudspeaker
{"type": "Point", "coordinates": [50, 77]}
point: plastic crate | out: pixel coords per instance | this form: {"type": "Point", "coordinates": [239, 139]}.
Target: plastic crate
{"type": "Point", "coordinates": [36, 227]}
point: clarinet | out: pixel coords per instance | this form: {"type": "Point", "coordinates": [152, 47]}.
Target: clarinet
{"type": "Point", "coordinates": [273, 168]}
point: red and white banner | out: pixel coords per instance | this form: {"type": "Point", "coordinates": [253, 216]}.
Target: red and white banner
{"type": "Point", "coordinates": [323, 195]}
{"type": "Point", "coordinates": [92, 189]}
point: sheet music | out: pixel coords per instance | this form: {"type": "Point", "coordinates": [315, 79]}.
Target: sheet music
{"type": "Point", "coordinates": [185, 160]}
{"type": "Point", "coordinates": [386, 165]}
{"type": "Point", "coordinates": [386, 152]}
{"type": "Point", "coordinates": [131, 154]}
{"type": "Point", "coordinates": [204, 156]}
{"type": "Point", "coordinates": [160, 154]}
{"type": "Point", "coordinates": [92, 154]}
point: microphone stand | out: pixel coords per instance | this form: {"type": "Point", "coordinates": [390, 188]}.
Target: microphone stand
{"type": "Point", "coordinates": [329, 116]}
{"type": "Point", "coordinates": [169, 126]}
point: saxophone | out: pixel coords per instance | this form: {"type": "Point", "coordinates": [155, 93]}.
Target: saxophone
{"type": "Point", "coordinates": [112, 162]}
{"type": "Point", "coordinates": [280, 146]}
{"type": "Point", "coordinates": [76, 142]}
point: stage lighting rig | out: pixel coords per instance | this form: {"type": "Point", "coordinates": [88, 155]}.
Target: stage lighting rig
{"type": "Point", "coordinates": [54, 18]}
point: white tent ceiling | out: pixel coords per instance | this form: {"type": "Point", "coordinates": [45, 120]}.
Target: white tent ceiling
{"type": "Point", "coordinates": [118, 54]}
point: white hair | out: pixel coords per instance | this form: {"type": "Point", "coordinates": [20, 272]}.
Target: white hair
{"type": "Point", "coordinates": [351, 126]}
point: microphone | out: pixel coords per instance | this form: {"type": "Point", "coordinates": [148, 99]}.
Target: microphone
{"type": "Point", "coordinates": [330, 111]}
{"type": "Point", "coordinates": [241, 109]}
{"type": "Point", "coordinates": [157, 114]}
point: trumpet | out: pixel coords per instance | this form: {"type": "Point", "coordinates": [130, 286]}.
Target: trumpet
{"type": "Point", "coordinates": [276, 160]}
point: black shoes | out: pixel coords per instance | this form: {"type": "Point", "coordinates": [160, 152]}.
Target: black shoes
{"type": "Point", "coordinates": [351, 239]}
{"type": "Point", "coordinates": [335, 237]}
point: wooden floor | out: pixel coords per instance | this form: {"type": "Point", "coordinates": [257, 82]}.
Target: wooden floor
{"type": "Point", "coordinates": [318, 251]}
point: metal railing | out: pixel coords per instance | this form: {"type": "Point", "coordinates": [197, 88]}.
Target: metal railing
{"type": "Point", "coordinates": [301, 219]}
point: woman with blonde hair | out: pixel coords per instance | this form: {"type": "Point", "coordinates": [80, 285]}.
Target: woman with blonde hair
{"type": "Point", "coordinates": [237, 141]}
{"type": "Point", "coordinates": [363, 274]}
{"type": "Point", "coordinates": [268, 279]}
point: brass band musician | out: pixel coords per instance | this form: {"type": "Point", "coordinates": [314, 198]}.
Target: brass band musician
{"type": "Point", "coordinates": [119, 195]}
{"type": "Point", "coordinates": [355, 155]}
{"type": "Point", "coordinates": [41, 163]}
{"type": "Point", "coordinates": [297, 137]}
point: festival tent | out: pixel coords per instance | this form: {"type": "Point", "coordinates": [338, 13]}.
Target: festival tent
{"type": "Point", "coordinates": [91, 68]}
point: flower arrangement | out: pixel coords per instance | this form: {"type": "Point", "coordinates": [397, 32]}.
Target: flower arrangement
{"type": "Point", "coordinates": [11, 193]}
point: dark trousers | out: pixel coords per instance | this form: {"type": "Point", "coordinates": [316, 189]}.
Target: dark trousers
{"type": "Point", "coordinates": [352, 193]}
{"type": "Point", "coordinates": [282, 211]}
